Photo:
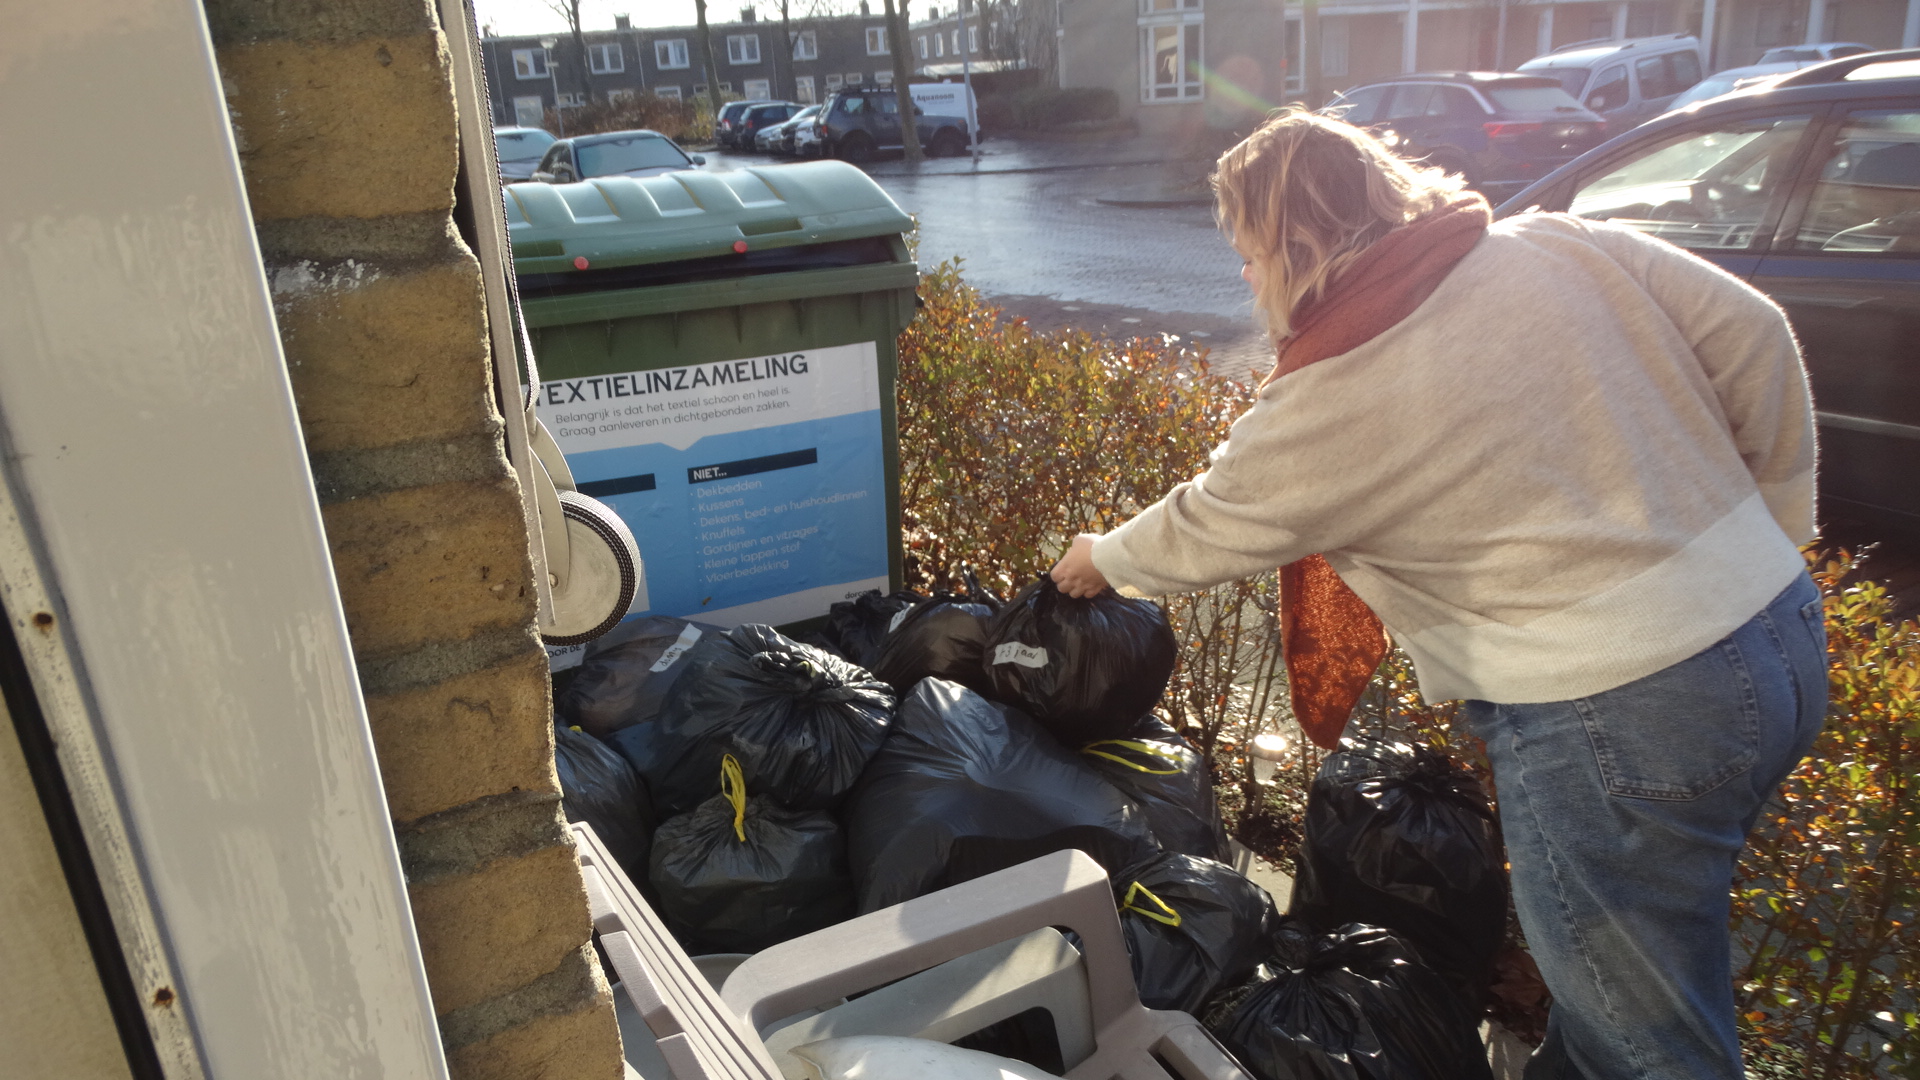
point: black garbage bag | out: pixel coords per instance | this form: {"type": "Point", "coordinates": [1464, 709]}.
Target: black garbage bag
{"type": "Point", "coordinates": [1399, 836]}
{"type": "Point", "coordinates": [941, 638]}
{"type": "Point", "coordinates": [855, 627]}
{"type": "Point", "coordinates": [1193, 927]}
{"type": "Point", "coordinates": [597, 786]}
{"type": "Point", "coordinates": [624, 676]}
{"type": "Point", "coordinates": [802, 723]}
{"type": "Point", "coordinates": [1156, 768]}
{"type": "Point", "coordinates": [1356, 1004]}
{"type": "Point", "coordinates": [1085, 669]}
{"type": "Point", "coordinates": [740, 874]}
{"type": "Point", "coordinates": [965, 787]}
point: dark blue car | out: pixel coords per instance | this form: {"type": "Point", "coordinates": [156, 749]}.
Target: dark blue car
{"type": "Point", "coordinates": [1500, 131]}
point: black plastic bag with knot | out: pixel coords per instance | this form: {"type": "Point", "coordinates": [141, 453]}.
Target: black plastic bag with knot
{"type": "Point", "coordinates": [1355, 1004]}
{"type": "Point", "coordinates": [965, 787]}
{"type": "Point", "coordinates": [1400, 836]}
{"type": "Point", "coordinates": [1086, 669]}
{"type": "Point", "coordinates": [1170, 780]}
{"type": "Point", "coordinates": [855, 628]}
{"type": "Point", "coordinates": [741, 874]}
{"type": "Point", "coordinates": [801, 722]}
{"type": "Point", "coordinates": [1193, 927]}
{"type": "Point", "coordinates": [941, 638]}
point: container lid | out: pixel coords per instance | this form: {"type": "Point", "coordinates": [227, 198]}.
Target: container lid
{"type": "Point", "coordinates": [625, 221]}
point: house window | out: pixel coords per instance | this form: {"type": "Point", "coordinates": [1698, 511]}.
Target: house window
{"type": "Point", "coordinates": [606, 59]}
{"type": "Point", "coordinates": [743, 48]}
{"type": "Point", "coordinates": [572, 101]}
{"type": "Point", "coordinates": [854, 78]}
{"type": "Point", "coordinates": [956, 43]}
{"type": "Point", "coordinates": [1333, 47]}
{"type": "Point", "coordinates": [529, 111]}
{"type": "Point", "coordinates": [883, 78]}
{"type": "Point", "coordinates": [973, 38]}
{"type": "Point", "coordinates": [806, 46]}
{"type": "Point", "coordinates": [530, 63]}
{"type": "Point", "coordinates": [993, 35]}
{"type": "Point", "coordinates": [616, 97]}
{"type": "Point", "coordinates": [699, 89]}
{"type": "Point", "coordinates": [1170, 56]}
{"type": "Point", "coordinates": [671, 93]}
{"type": "Point", "coordinates": [759, 88]}
{"type": "Point", "coordinates": [668, 55]}
{"type": "Point", "coordinates": [834, 82]}
{"type": "Point", "coordinates": [939, 44]}
{"type": "Point", "coordinates": [1167, 7]}
{"type": "Point", "coordinates": [803, 90]}
{"type": "Point", "coordinates": [725, 88]}
{"type": "Point", "coordinates": [923, 46]}
{"type": "Point", "coordinates": [876, 41]}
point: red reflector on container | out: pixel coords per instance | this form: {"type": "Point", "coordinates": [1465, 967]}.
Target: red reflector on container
{"type": "Point", "coordinates": [579, 262]}
{"type": "Point", "coordinates": [740, 247]}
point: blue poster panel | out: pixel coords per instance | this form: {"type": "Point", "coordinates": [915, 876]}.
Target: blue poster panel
{"type": "Point", "coordinates": [755, 488]}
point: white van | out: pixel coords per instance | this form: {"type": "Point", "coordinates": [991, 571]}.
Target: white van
{"type": "Point", "coordinates": [1626, 82]}
{"type": "Point", "coordinates": [947, 99]}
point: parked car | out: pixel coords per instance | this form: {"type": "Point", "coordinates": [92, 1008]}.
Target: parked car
{"type": "Point", "coordinates": [1772, 62]}
{"type": "Point", "coordinates": [1626, 82]}
{"type": "Point", "coordinates": [613, 153]}
{"type": "Point", "coordinates": [1809, 189]}
{"type": "Point", "coordinates": [855, 123]}
{"type": "Point", "coordinates": [725, 126]}
{"type": "Point", "coordinates": [778, 138]}
{"type": "Point", "coordinates": [519, 150]}
{"type": "Point", "coordinates": [751, 122]}
{"type": "Point", "coordinates": [807, 137]}
{"type": "Point", "coordinates": [1499, 130]}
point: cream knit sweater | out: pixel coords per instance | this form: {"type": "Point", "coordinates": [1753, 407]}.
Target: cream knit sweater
{"type": "Point", "coordinates": [1587, 456]}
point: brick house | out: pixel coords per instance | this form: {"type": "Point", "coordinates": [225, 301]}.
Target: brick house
{"type": "Point", "coordinates": [1186, 64]}
{"type": "Point", "coordinates": [824, 53]}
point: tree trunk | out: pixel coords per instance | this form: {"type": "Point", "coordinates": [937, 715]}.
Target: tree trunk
{"type": "Point", "coordinates": [706, 57]}
{"type": "Point", "coordinates": [902, 70]}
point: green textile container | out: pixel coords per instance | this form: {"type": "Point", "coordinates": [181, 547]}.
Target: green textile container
{"type": "Point", "coordinates": [717, 361]}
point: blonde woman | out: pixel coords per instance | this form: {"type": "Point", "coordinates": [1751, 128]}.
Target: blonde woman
{"type": "Point", "coordinates": [1566, 465]}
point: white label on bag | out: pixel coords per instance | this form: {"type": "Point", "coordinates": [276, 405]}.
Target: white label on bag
{"type": "Point", "coordinates": [1013, 652]}
{"type": "Point", "coordinates": [687, 637]}
{"type": "Point", "coordinates": [898, 618]}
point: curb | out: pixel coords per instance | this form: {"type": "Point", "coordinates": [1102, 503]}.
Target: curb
{"type": "Point", "coordinates": [1023, 168]}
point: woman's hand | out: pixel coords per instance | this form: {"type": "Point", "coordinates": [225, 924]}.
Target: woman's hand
{"type": "Point", "coordinates": [1075, 573]}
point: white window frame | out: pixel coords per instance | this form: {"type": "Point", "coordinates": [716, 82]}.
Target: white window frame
{"type": "Point", "coordinates": [1335, 44]}
{"type": "Point", "coordinates": [606, 58]}
{"type": "Point", "coordinates": [939, 45]}
{"type": "Point", "coordinates": [757, 88]}
{"type": "Point", "coordinates": [806, 45]}
{"type": "Point", "coordinates": [671, 55]}
{"type": "Point", "coordinates": [973, 38]}
{"type": "Point", "coordinates": [1179, 16]}
{"type": "Point", "coordinates": [615, 97]}
{"type": "Point", "coordinates": [572, 100]}
{"type": "Point", "coordinates": [855, 78]}
{"type": "Point", "coordinates": [739, 46]}
{"type": "Point", "coordinates": [530, 105]}
{"type": "Point", "coordinates": [923, 46]}
{"type": "Point", "coordinates": [956, 41]}
{"type": "Point", "coordinates": [803, 90]}
{"type": "Point", "coordinates": [524, 66]}
{"type": "Point", "coordinates": [993, 35]}
{"type": "Point", "coordinates": [671, 93]}
{"type": "Point", "coordinates": [883, 79]}
{"type": "Point", "coordinates": [834, 81]}
{"type": "Point", "coordinates": [876, 34]}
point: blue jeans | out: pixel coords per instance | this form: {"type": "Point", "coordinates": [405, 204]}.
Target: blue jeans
{"type": "Point", "coordinates": [1624, 813]}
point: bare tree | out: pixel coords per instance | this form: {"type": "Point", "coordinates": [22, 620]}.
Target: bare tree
{"type": "Point", "coordinates": [706, 57]}
{"type": "Point", "coordinates": [897, 45]}
{"type": "Point", "coordinates": [570, 11]}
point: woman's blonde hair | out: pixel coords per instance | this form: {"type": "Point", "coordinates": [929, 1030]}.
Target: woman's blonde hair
{"type": "Point", "coordinates": [1304, 195]}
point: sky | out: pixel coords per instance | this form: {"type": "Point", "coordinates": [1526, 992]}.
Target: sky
{"type": "Point", "coordinates": [513, 17]}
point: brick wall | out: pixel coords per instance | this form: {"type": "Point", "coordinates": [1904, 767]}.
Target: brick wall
{"type": "Point", "coordinates": [345, 120]}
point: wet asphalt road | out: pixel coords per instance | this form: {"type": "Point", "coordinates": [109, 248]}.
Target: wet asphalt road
{"type": "Point", "coordinates": [1042, 248]}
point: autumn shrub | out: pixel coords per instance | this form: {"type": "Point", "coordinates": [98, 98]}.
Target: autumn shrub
{"type": "Point", "coordinates": [683, 121]}
{"type": "Point", "coordinates": [1013, 440]}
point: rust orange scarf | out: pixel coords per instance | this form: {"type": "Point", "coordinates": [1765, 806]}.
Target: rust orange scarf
{"type": "Point", "coordinates": [1332, 641]}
